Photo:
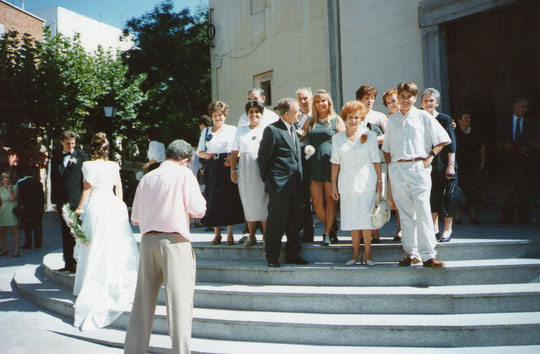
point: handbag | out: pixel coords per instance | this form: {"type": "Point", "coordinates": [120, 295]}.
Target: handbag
{"type": "Point", "coordinates": [200, 172]}
{"type": "Point", "coordinates": [454, 200]}
{"type": "Point", "coordinates": [380, 212]}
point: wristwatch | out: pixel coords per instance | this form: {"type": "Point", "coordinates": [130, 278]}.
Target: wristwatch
{"type": "Point", "coordinates": [432, 153]}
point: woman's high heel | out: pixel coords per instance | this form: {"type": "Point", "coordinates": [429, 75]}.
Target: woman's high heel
{"type": "Point", "coordinates": [216, 240]}
{"type": "Point", "coordinates": [230, 240]}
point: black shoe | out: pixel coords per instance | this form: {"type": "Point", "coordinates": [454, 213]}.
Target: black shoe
{"type": "Point", "coordinates": [65, 269]}
{"type": "Point", "coordinates": [37, 246]}
{"type": "Point", "coordinates": [445, 239]}
{"type": "Point", "coordinates": [438, 236]}
{"type": "Point", "coordinates": [296, 260]}
{"type": "Point", "coordinates": [273, 264]}
{"type": "Point", "coordinates": [333, 239]}
{"type": "Point", "coordinates": [26, 247]}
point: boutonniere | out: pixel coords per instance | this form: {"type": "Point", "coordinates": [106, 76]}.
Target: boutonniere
{"type": "Point", "coordinates": [300, 132]}
{"type": "Point", "coordinates": [363, 138]}
{"type": "Point", "coordinates": [72, 160]}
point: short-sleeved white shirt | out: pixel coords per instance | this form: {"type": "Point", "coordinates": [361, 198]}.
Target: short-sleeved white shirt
{"type": "Point", "coordinates": [219, 143]}
{"type": "Point", "coordinates": [412, 135]}
{"type": "Point", "coordinates": [268, 118]}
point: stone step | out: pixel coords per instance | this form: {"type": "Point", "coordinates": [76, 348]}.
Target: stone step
{"type": "Point", "coordinates": [489, 271]}
{"type": "Point", "coordinates": [360, 299]}
{"type": "Point", "coordinates": [441, 330]}
{"type": "Point", "coordinates": [387, 251]}
{"type": "Point", "coordinates": [495, 271]}
{"type": "Point", "coordinates": [160, 343]}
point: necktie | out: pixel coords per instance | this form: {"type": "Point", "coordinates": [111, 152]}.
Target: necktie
{"type": "Point", "coordinates": [293, 137]}
{"type": "Point", "coordinates": [518, 131]}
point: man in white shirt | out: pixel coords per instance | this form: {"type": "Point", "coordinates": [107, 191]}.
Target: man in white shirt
{"type": "Point", "coordinates": [413, 138]}
{"type": "Point", "coordinates": [269, 117]}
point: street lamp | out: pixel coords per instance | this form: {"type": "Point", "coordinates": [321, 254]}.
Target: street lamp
{"type": "Point", "coordinates": [110, 111]}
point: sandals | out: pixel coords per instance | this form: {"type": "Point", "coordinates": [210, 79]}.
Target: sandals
{"type": "Point", "coordinates": [5, 253]}
{"type": "Point", "coordinates": [216, 240]}
{"type": "Point", "coordinates": [230, 240]}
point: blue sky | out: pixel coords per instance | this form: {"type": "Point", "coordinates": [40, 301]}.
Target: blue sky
{"type": "Point", "coordinates": [112, 12]}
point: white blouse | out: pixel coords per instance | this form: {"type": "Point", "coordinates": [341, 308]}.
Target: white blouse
{"type": "Point", "coordinates": [217, 143]}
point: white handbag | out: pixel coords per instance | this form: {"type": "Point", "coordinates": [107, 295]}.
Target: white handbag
{"type": "Point", "coordinates": [381, 211]}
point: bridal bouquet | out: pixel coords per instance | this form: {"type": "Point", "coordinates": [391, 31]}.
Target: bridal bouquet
{"type": "Point", "coordinates": [309, 150]}
{"type": "Point", "coordinates": [73, 223]}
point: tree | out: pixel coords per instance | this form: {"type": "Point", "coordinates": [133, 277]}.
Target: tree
{"type": "Point", "coordinates": [172, 50]}
{"type": "Point", "coordinates": [56, 85]}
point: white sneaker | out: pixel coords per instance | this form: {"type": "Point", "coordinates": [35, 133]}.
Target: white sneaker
{"type": "Point", "coordinates": [326, 240]}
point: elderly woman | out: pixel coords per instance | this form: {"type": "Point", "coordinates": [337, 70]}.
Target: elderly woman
{"type": "Point", "coordinates": [391, 102]}
{"type": "Point", "coordinates": [320, 128]}
{"type": "Point", "coordinates": [223, 200]}
{"type": "Point", "coordinates": [251, 187]}
{"type": "Point", "coordinates": [356, 177]}
{"type": "Point", "coordinates": [444, 165]}
{"type": "Point", "coordinates": [471, 156]}
{"type": "Point", "coordinates": [8, 220]}
{"type": "Point", "coordinates": [156, 149]}
{"type": "Point", "coordinates": [376, 121]}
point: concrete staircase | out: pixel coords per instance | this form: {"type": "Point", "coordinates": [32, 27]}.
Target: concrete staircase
{"type": "Point", "coordinates": [488, 295]}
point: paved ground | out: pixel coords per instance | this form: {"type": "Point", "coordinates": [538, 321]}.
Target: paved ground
{"type": "Point", "coordinates": [26, 328]}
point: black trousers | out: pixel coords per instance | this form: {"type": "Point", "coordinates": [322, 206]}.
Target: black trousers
{"type": "Point", "coordinates": [284, 217]}
{"type": "Point", "coordinates": [33, 223]}
{"type": "Point", "coordinates": [68, 242]}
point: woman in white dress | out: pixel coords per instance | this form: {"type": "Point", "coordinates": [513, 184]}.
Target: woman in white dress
{"type": "Point", "coordinates": [107, 266]}
{"type": "Point", "coordinates": [250, 185]}
{"type": "Point", "coordinates": [356, 177]}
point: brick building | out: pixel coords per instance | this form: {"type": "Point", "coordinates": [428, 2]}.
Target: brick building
{"type": "Point", "coordinates": [13, 18]}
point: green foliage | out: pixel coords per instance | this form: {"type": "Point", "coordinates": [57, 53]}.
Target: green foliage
{"type": "Point", "coordinates": [172, 50]}
{"type": "Point", "coordinates": [56, 85]}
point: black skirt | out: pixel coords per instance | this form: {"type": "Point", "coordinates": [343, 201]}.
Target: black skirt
{"type": "Point", "coordinates": [223, 204]}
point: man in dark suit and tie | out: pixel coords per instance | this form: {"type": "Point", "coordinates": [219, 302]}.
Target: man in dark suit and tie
{"type": "Point", "coordinates": [66, 183]}
{"type": "Point", "coordinates": [516, 137]}
{"type": "Point", "coordinates": [31, 201]}
{"type": "Point", "coordinates": [280, 164]}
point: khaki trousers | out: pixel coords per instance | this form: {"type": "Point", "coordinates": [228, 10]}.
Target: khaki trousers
{"type": "Point", "coordinates": [169, 259]}
{"type": "Point", "coordinates": [411, 188]}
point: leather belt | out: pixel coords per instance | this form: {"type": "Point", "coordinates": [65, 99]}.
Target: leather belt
{"type": "Point", "coordinates": [412, 160]}
{"type": "Point", "coordinates": [153, 232]}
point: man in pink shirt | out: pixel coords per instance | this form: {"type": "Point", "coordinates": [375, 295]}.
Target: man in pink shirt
{"type": "Point", "coordinates": [164, 201]}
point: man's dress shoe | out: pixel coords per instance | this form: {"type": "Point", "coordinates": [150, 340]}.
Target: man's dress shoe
{"type": "Point", "coordinates": [273, 264]}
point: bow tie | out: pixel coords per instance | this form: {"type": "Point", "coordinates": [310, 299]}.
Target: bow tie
{"type": "Point", "coordinates": [67, 153]}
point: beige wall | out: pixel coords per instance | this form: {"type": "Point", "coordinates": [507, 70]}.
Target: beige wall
{"type": "Point", "coordinates": [289, 38]}
{"type": "Point", "coordinates": [381, 45]}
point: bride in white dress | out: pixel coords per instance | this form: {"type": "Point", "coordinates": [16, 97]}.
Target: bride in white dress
{"type": "Point", "coordinates": [107, 266]}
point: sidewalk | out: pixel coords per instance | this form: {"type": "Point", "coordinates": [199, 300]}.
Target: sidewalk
{"type": "Point", "coordinates": [27, 328]}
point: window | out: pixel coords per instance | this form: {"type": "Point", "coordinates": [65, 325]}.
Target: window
{"type": "Point", "coordinates": [264, 81]}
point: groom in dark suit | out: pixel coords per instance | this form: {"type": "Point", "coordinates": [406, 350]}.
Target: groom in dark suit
{"type": "Point", "coordinates": [280, 164]}
{"type": "Point", "coordinates": [66, 185]}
